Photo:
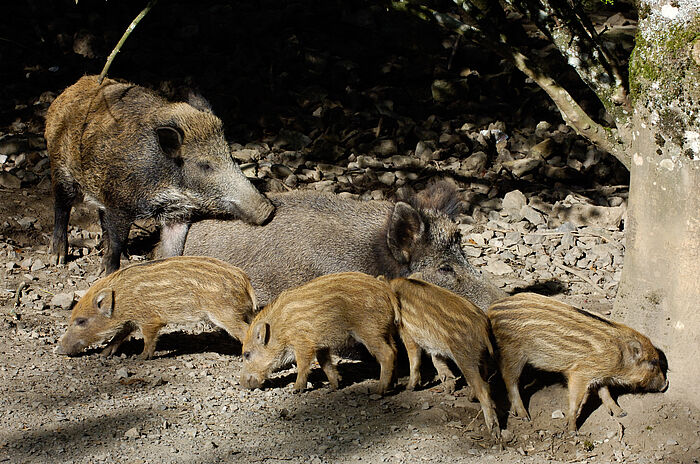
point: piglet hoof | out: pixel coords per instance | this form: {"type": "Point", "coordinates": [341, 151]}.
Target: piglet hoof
{"type": "Point", "coordinates": [57, 260]}
{"type": "Point", "coordinates": [523, 417]}
{"type": "Point", "coordinates": [298, 388]}
{"type": "Point", "coordinates": [109, 351]}
{"type": "Point", "coordinates": [145, 356]}
{"type": "Point", "coordinates": [450, 385]}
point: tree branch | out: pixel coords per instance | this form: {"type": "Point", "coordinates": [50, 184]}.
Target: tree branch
{"type": "Point", "coordinates": [126, 34]}
{"type": "Point", "coordinates": [499, 37]}
{"type": "Point", "coordinates": [571, 31]}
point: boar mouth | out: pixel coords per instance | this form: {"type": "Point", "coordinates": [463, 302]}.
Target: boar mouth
{"type": "Point", "coordinates": [257, 215]}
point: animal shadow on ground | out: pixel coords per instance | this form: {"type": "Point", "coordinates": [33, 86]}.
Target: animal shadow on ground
{"type": "Point", "coordinates": [547, 287]}
{"type": "Point", "coordinates": [179, 343]}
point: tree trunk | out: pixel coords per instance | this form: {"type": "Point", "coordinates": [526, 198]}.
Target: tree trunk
{"type": "Point", "coordinates": [660, 289]}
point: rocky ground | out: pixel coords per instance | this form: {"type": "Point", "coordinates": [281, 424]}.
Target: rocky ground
{"type": "Point", "coordinates": [544, 211]}
{"type": "Point", "coordinates": [187, 405]}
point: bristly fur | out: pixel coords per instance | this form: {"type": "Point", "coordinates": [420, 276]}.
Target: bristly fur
{"type": "Point", "coordinates": [440, 196]}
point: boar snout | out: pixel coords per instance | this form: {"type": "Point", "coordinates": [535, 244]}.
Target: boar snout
{"type": "Point", "coordinates": [262, 213]}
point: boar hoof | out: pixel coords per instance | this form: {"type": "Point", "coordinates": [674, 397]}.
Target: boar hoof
{"type": "Point", "coordinates": [57, 260]}
{"type": "Point", "coordinates": [145, 356]}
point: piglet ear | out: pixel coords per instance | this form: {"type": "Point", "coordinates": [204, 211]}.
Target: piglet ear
{"type": "Point", "coordinates": [406, 228]}
{"type": "Point", "coordinates": [170, 140]}
{"type": "Point", "coordinates": [635, 349]}
{"type": "Point", "coordinates": [104, 302]}
{"type": "Point", "coordinates": [262, 333]}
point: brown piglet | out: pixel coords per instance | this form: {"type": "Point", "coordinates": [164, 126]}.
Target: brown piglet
{"type": "Point", "coordinates": [150, 295]}
{"type": "Point", "coordinates": [592, 352]}
{"type": "Point", "coordinates": [446, 326]}
{"type": "Point", "coordinates": [316, 319]}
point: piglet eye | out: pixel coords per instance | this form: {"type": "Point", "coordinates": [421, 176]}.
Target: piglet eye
{"type": "Point", "coordinates": [246, 355]}
{"type": "Point", "coordinates": [80, 322]}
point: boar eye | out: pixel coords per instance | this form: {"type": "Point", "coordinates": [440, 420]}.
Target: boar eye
{"type": "Point", "coordinates": [80, 322]}
{"type": "Point", "coordinates": [447, 269]}
{"type": "Point", "coordinates": [204, 166]}
{"type": "Point", "coordinates": [246, 355]}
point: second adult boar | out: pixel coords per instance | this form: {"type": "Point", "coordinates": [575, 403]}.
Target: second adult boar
{"type": "Point", "coordinates": [150, 295]}
{"type": "Point", "coordinates": [592, 352]}
{"type": "Point", "coordinates": [139, 156]}
{"type": "Point", "coordinates": [314, 234]}
{"type": "Point", "coordinates": [447, 326]}
{"type": "Point", "coordinates": [317, 318]}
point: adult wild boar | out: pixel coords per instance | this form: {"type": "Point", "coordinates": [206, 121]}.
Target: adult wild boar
{"type": "Point", "coordinates": [139, 156]}
{"type": "Point", "coordinates": [314, 234]}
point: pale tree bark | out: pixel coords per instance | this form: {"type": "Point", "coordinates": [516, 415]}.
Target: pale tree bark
{"type": "Point", "coordinates": [660, 287]}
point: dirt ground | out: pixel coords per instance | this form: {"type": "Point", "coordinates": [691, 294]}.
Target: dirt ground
{"type": "Point", "coordinates": [186, 405]}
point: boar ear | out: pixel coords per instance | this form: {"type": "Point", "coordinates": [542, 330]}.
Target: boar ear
{"type": "Point", "coordinates": [440, 196]}
{"type": "Point", "coordinates": [104, 302]}
{"type": "Point", "coordinates": [405, 230]}
{"type": "Point", "coordinates": [196, 100]}
{"type": "Point", "coordinates": [170, 140]}
{"type": "Point", "coordinates": [635, 349]}
{"type": "Point", "coordinates": [262, 333]}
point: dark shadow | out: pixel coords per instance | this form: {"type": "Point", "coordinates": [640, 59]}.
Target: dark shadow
{"type": "Point", "coordinates": [180, 343]}
{"type": "Point", "coordinates": [549, 287]}
{"type": "Point", "coordinates": [52, 442]}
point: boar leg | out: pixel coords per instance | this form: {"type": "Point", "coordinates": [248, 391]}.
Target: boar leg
{"type": "Point", "coordinates": [117, 340]}
{"type": "Point", "coordinates": [150, 336]}
{"type": "Point", "coordinates": [172, 239]}
{"type": "Point", "coordinates": [115, 231]}
{"type": "Point", "coordinates": [578, 389]}
{"type": "Point", "coordinates": [303, 359]}
{"type": "Point", "coordinates": [414, 357]}
{"type": "Point", "coordinates": [325, 360]}
{"type": "Point", "coordinates": [481, 389]}
{"type": "Point", "coordinates": [64, 197]}
{"type": "Point", "coordinates": [610, 403]}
